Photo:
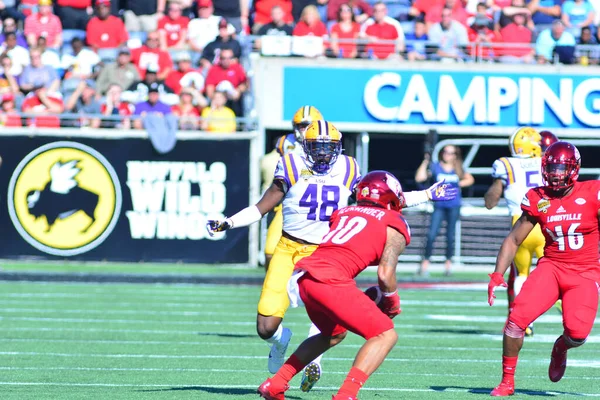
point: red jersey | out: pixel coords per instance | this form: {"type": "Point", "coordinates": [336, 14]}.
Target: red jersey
{"type": "Point", "coordinates": [569, 223]}
{"type": "Point", "coordinates": [108, 33]}
{"type": "Point", "coordinates": [144, 56]}
{"type": "Point", "coordinates": [346, 48]}
{"type": "Point", "coordinates": [356, 239]}
{"type": "Point", "coordinates": [382, 31]}
{"type": "Point", "coordinates": [173, 28]}
{"type": "Point", "coordinates": [234, 74]}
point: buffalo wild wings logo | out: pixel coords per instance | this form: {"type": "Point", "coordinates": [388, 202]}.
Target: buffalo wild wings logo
{"type": "Point", "coordinates": [305, 173]}
{"type": "Point", "coordinates": [365, 191]}
{"type": "Point", "coordinates": [543, 205]}
{"type": "Point", "coordinates": [64, 198]}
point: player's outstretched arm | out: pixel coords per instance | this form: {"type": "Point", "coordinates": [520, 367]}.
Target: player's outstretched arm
{"type": "Point", "coordinates": [493, 194]}
{"type": "Point", "coordinates": [519, 232]}
{"type": "Point", "coordinates": [439, 191]}
{"type": "Point", "coordinates": [250, 214]}
{"type": "Point", "coordinates": [386, 272]}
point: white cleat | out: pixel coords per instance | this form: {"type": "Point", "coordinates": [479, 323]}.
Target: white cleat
{"type": "Point", "coordinates": [277, 353]}
{"type": "Point", "coordinates": [310, 376]}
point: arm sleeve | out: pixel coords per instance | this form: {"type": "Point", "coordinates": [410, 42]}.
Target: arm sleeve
{"type": "Point", "coordinates": [529, 203]}
{"type": "Point", "coordinates": [500, 170]}
{"type": "Point", "coordinates": [415, 198]}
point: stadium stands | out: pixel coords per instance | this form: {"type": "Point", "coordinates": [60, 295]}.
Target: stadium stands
{"type": "Point", "coordinates": [184, 44]}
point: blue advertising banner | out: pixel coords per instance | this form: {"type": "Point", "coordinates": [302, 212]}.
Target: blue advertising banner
{"type": "Point", "coordinates": [119, 200]}
{"type": "Point", "coordinates": [450, 98]}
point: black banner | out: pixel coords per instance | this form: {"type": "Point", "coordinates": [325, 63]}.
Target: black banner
{"type": "Point", "coordinates": [118, 200]}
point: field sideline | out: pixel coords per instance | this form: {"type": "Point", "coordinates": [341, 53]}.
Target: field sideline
{"type": "Point", "coordinates": [157, 341]}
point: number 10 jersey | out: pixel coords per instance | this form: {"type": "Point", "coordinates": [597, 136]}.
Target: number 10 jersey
{"type": "Point", "coordinates": [311, 198]}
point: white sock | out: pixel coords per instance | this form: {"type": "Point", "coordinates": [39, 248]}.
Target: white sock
{"type": "Point", "coordinates": [312, 332]}
{"type": "Point", "coordinates": [276, 338]}
{"type": "Point", "coordinates": [519, 281]}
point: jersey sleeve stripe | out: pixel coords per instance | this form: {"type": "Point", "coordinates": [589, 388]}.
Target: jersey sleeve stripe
{"type": "Point", "coordinates": [509, 170]}
{"type": "Point", "coordinates": [350, 173]}
{"type": "Point", "coordinates": [290, 167]}
{"type": "Point", "coordinates": [280, 143]}
{"type": "Point", "coordinates": [356, 175]}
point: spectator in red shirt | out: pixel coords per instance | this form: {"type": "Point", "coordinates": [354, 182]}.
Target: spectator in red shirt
{"type": "Point", "coordinates": [151, 54]}
{"type": "Point", "coordinates": [188, 109]}
{"type": "Point", "coordinates": [382, 30]}
{"type": "Point", "coordinates": [361, 9]}
{"type": "Point", "coordinates": [481, 38]}
{"type": "Point", "coordinates": [310, 23]}
{"type": "Point", "coordinates": [106, 31]}
{"type": "Point", "coordinates": [74, 14]}
{"type": "Point", "coordinates": [173, 28]}
{"type": "Point", "coordinates": [459, 14]}
{"type": "Point", "coordinates": [46, 106]}
{"type": "Point", "coordinates": [514, 33]}
{"type": "Point", "coordinates": [263, 8]}
{"type": "Point", "coordinates": [420, 7]}
{"type": "Point", "coordinates": [346, 29]}
{"type": "Point", "coordinates": [227, 70]}
{"type": "Point", "coordinates": [9, 117]}
{"type": "Point", "coordinates": [185, 75]}
{"type": "Point", "coordinates": [115, 107]}
{"type": "Point", "coordinates": [44, 23]}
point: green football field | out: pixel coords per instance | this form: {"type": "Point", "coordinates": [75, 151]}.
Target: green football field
{"type": "Point", "coordinates": [134, 341]}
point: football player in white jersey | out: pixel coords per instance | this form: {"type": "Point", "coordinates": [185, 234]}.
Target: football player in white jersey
{"type": "Point", "coordinates": [289, 143]}
{"type": "Point", "coordinates": [514, 176]}
{"type": "Point", "coordinates": [312, 186]}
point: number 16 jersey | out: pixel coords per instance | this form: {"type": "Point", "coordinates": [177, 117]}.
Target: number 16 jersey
{"type": "Point", "coordinates": [311, 198]}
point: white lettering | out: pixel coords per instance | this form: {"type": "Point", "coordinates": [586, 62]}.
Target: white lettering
{"type": "Point", "coordinates": [417, 100]}
{"type": "Point", "coordinates": [564, 217]}
{"type": "Point", "coordinates": [560, 105]}
{"type": "Point", "coordinates": [524, 109]}
{"type": "Point", "coordinates": [502, 92]}
{"type": "Point", "coordinates": [580, 108]}
{"type": "Point", "coordinates": [449, 98]}
{"type": "Point", "coordinates": [371, 95]}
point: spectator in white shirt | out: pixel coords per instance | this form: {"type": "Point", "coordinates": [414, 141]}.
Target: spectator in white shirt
{"type": "Point", "coordinates": [17, 54]}
{"type": "Point", "coordinates": [205, 28]}
{"type": "Point", "coordinates": [451, 37]}
{"type": "Point", "coordinates": [81, 63]}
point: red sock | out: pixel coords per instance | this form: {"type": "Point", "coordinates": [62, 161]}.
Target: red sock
{"type": "Point", "coordinates": [287, 371]}
{"type": "Point", "coordinates": [509, 366]}
{"type": "Point", "coordinates": [353, 382]}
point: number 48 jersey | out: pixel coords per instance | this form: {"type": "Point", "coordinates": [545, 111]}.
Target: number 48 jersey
{"type": "Point", "coordinates": [519, 175]}
{"type": "Point", "coordinates": [311, 199]}
{"type": "Point", "coordinates": [569, 223]}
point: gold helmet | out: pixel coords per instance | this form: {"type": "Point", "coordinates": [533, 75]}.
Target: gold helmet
{"type": "Point", "coordinates": [525, 142]}
{"type": "Point", "coordinates": [322, 144]}
{"type": "Point", "coordinates": [302, 118]}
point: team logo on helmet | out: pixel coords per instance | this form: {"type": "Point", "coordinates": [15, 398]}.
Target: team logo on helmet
{"type": "Point", "coordinates": [64, 198]}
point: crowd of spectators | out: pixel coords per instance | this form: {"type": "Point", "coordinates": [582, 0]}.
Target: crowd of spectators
{"type": "Point", "coordinates": [103, 63]}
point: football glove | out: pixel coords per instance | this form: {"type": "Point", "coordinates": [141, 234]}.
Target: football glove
{"type": "Point", "coordinates": [213, 226]}
{"type": "Point", "coordinates": [496, 279]}
{"type": "Point", "coordinates": [390, 304]}
{"type": "Point", "coordinates": [441, 191]}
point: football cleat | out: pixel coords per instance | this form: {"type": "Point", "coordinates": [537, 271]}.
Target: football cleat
{"type": "Point", "coordinates": [310, 376]}
{"type": "Point", "coordinates": [277, 353]}
{"type": "Point", "coordinates": [529, 331]}
{"type": "Point", "coordinates": [503, 389]}
{"type": "Point", "coordinates": [267, 391]}
{"type": "Point", "coordinates": [558, 305]}
{"type": "Point", "coordinates": [558, 363]}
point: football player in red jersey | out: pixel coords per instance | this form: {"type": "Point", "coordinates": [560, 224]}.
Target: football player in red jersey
{"type": "Point", "coordinates": [372, 232]}
{"type": "Point", "coordinates": [568, 212]}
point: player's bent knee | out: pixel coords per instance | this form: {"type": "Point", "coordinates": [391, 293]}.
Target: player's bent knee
{"type": "Point", "coordinates": [572, 342]}
{"type": "Point", "coordinates": [267, 326]}
{"type": "Point", "coordinates": [336, 339]}
{"type": "Point", "coordinates": [512, 330]}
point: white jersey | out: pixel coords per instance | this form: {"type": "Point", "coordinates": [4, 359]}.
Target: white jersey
{"type": "Point", "coordinates": [518, 175]}
{"type": "Point", "coordinates": [311, 199]}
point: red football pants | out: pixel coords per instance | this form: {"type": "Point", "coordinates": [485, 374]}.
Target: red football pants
{"type": "Point", "coordinates": [336, 308]}
{"type": "Point", "coordinates": [549, 282]}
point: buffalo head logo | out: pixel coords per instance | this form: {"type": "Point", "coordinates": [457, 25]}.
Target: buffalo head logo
{"type": "Point", "coordinates": [62, 196]}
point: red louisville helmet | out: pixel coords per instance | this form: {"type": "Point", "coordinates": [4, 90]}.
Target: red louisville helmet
{"type": "Point", "coordinates": [548, 138]}
{"type": "Point", "coordinates": [560, 165]}
{"type": "Point", "coordinates": [380, 188]}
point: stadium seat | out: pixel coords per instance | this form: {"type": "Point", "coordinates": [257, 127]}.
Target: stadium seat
{"type": "Point", "coordinates": [108, 55]}
{"type": "Point", "coordinates": [408, 27]}
{"type": "Point", "coordinates": [136, 39]}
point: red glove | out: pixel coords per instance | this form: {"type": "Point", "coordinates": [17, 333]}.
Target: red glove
{"type": "Point", "coordinates": [496, 279]}
{"type": "Point", "coordinates": [390, 304]}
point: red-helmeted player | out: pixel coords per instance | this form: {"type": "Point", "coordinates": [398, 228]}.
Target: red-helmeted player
{"type": "Point", "coordinates": [568, 213]}
{"type": "Point", "coordinates": [370, 233]}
